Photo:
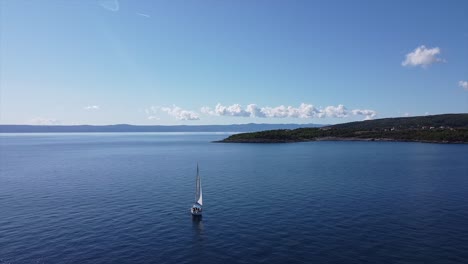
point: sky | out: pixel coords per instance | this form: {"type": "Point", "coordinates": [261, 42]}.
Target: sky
{"type": "Point", "coordinates": [190, 62]}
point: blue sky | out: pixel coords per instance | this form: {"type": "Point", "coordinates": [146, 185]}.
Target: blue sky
{"type": "Point", "coordinates": [223, 62]}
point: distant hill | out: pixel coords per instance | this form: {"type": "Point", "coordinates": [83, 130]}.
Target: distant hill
{"type": "Point", "coordinates": [447, 128]}
{"type": "Point", "coordinates": [446, 120]}
{"type": "Point", "coordinates": [133, 128]}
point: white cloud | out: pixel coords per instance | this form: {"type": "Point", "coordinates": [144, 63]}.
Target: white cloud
{"type": "Point", "coordinates": [111, 5]}
{"type": "Point", "coordinates": [233, 110]}
{"type": "Point", "coordinates": [422, 56]}
{"type": "Point", "coordinates": [180, 114]}
{"type": "Point", "coordinates": [369, 114]}
{"type": "Point", "coordinates": [44, 121]}
{"type": "Point", "coordinates": [406, 114]}
{"type": "Point", "coordinates": [463, 84]}
{"type": "Point", "coordinates": [255, 111]}
{"type": "Point", "coordinates": [143, 15]}
{"type": "Point", "coordinates": [91, 107]}
{"type": "Point", "coordinates": [303, 111]}
{"type": "Point", "coordinates": [335, 111]}
{"type": "Point", "coordinates": [252, 110]}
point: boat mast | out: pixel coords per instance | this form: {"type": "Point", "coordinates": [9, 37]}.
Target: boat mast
{"type": "Point", "coordinates": [198, 191]}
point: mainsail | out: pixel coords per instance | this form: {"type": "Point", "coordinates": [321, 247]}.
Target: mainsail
{"type": "Point", "coordinates": [198, 190]}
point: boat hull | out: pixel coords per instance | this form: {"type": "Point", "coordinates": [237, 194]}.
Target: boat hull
{"type": "Point", "coordinates": [194, 213]}
{"type": "Point", "coordinates": [196, 210]}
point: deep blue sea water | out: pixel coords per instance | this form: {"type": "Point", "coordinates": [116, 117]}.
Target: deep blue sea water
{"type": "Point", "coordinates": [125, 198]}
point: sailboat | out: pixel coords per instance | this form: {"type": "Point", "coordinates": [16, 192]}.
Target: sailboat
{"type": "Point", "coordinates": [196, 209]}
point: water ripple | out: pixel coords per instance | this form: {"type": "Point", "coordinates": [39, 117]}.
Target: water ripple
{"type": "Point", "coordinates": [125, 199]}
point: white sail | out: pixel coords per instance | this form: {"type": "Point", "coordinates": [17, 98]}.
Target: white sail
{"type": "Point", "coordinates": [198, 191]}
{"type": "Point", "coordinates": [200, 198]}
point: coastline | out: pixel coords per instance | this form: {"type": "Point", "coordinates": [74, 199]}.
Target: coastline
{"type": "Point", "coordinates": [270, 141]}
{"type": "Point", "coordinates": [439, 129]}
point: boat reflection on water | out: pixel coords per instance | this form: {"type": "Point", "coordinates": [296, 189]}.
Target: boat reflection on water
{"type": "Point", "coordinates": [198, 248]}
{"type": "Point", "coordinates": [197, 223]}
{"type": "Point", "coordinates": [198, 233]}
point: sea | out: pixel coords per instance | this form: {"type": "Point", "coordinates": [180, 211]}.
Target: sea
{"type": "Point", "coordinates": [125, 198]}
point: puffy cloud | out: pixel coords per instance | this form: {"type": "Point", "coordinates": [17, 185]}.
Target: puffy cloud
{"type": "Point", "coordinates": [369, 114]}
{"type": "Point", "coordinates": [254, 111]}
{"type": "Point", "coordinates": [335, 111]}
{"type": "Point", "coordinates": [180, 114]}
{"type": "Point", "coordinates": [233, 110]}
{"type": "Point", "coordinates": [463, 84]}
{"type": "Point", "coordinates": [91, 107]}
{"type": "Point", "coordinates": [175, 111]}
{"type": "Point", "coordinates": [111, 5]}
{"type": "Point", "coordinates": [422, 56]}
{"type": "Point", "coordinates": [303, 111]}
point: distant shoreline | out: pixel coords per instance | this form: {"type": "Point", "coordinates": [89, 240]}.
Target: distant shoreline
{"type": "Point", "coordinates": [447, 128]}
{"type": "Point", "coordinates": [264, 141]}
{"type": "Point", "coordinates": [251, 127]}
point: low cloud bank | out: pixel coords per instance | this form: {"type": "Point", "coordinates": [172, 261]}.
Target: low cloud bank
{"type": "Point", "coordinates": [174, 111]}
{"type": "Point", "coordinates": [303, 111]}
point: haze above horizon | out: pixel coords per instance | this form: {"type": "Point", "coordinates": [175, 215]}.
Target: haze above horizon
{"type": "Point", "coordinates": [103, 62]}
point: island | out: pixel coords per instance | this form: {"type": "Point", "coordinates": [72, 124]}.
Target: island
{"type": "Point", "coordinates": [445, 128]}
